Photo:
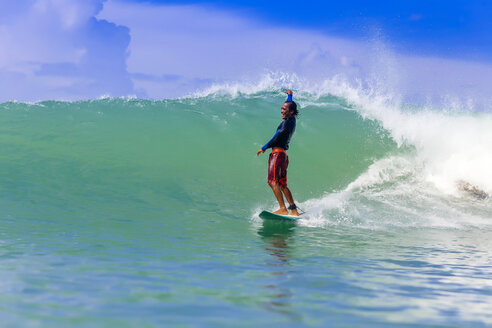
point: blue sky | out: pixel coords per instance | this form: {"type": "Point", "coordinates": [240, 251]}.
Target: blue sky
{"type": "Point", "coordinates": [79, 49]}
{"type": "Point", "coordinates": [450, 28]}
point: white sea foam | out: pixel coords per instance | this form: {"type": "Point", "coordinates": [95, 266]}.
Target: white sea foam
{"type": "Point", "coordinates": [450, 145]}
{"type": "Point", "coordinates": [271, 81]}
{"type": "Point", "coordinates": [394, 191]}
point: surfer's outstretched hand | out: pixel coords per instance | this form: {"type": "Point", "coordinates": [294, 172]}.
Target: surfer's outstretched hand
{"type": "Point", "coordinates": [259, 152]}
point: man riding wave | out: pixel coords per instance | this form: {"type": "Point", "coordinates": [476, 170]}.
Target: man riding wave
{"type": "Point", "coordinates": [278, 160]}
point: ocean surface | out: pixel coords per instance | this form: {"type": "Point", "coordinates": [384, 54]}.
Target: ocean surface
{"type": "Point", "coordinates": [137, 213]}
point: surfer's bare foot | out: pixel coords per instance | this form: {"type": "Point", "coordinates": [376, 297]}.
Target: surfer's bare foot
{"type": "Point", "coordinates": [282, 211]}
{"type": "Point", "coordinates": [294, 212]}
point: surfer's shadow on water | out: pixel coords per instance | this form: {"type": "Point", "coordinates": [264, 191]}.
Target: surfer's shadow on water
{"type": "Point", "coordinates": [277, 236]}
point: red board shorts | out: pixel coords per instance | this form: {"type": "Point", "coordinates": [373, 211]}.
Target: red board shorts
{"type": "Point", "coordinates": [277, 167]}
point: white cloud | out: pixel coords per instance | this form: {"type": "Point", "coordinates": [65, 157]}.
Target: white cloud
{"type": "Point", "coordinates": [54, 49]}
{"type": "Point", "coordinates": [70, 13]}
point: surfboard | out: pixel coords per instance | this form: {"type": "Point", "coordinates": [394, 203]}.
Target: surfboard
{"type": "Point", "coordinates": [272, 216]}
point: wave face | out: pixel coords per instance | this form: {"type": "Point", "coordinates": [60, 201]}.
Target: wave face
{"type": "Point", "coordinates": [356, 158]}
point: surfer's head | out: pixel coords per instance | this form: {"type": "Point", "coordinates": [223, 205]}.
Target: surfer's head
{"type": "Point", "coordinates": [289, 109]}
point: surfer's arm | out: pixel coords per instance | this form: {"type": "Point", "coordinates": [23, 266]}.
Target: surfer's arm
{"type": "Point", "coordinates": [272, 141]}
{"type": "Point", "coordinates": [281, 129]}
{"type": "Point", "coordinates": [289, 94]}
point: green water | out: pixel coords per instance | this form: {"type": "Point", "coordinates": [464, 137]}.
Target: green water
{"type": "Point", "coordinates": [124, 212]}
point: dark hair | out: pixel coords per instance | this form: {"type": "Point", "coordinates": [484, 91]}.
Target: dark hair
{"type": "Point", "coordinates": [292, 107]}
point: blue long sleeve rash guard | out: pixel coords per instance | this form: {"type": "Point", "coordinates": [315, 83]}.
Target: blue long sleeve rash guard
{"type": "Point", "coordinates": [285, 130]}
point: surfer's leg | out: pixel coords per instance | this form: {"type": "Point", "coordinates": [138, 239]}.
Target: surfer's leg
{"type": "Point", "coordinates": [290, 199]}
{"type": "Point", "coordinates": [276, 171]}
{"type": "Point", "coordinates": [280, 198]}
{"type": "Point", "coordinates": [282, 183]}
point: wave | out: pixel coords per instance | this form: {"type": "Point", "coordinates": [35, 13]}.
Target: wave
{"type": "Point", "coordinates": [360, 156]}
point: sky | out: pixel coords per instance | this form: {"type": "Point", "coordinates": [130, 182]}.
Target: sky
{"type": "Point", "coordinates": [461, 27]}
{"type": "Point", "coordinates": [85, 49]}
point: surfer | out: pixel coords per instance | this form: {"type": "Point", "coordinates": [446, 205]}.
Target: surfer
{"type": "Point", "coordinates": [474, 191]}
{"type": "Point", "coordinates": [278, 160]}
